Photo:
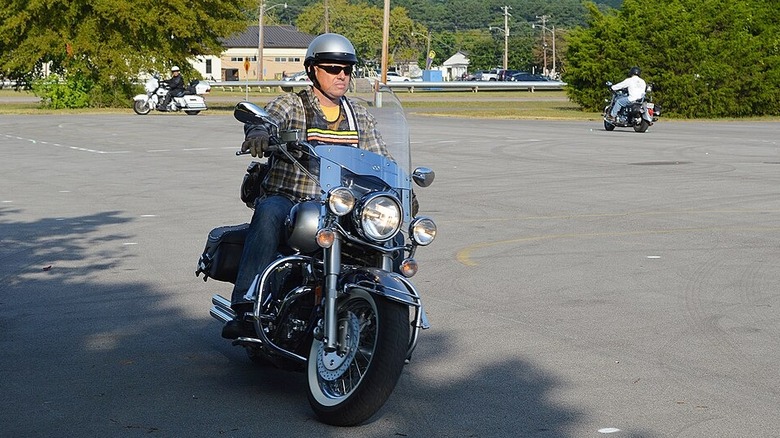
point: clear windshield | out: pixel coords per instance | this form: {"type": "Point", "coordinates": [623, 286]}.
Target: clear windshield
{"type": "Point", "coordinates": [390, 117]}
{"type": "Point", "coordinates": [362, 169]}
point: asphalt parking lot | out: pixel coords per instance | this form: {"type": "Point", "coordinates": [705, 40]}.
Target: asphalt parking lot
{"type": "Point", "coordinates": [584, 283]}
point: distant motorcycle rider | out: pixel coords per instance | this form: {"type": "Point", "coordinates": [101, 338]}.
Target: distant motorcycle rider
{"type": "Point", "coordinates": [175, 86]}
{"type": "Point", "coordinates": [636, 90]}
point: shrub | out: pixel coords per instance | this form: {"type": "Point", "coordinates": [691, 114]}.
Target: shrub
{"type": "Point", "coordinates": [63, 92]}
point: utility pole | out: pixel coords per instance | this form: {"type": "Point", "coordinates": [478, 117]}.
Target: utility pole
{"type": "Point", "coordinates": [506, 36]}
{"type": "Point", "coordinates": [544, 40]}
{"type": "Point", "coordinates": [553, 38]}
{"type": "Point", "coordinates": [260, 43]}
{"type": "Point", "coordinates": [385, 42]}
{"type": "Point", "coordinates": [327, 17]}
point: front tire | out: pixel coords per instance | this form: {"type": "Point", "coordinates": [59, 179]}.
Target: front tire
{"type": "Point", "coordinates": [141, 107]}
{"type": "Point", "coordinates": [347, 390]}
{"type": "Point", "coordinates": [609, 126]}
{"type": "Point", "coordinates": [192, 112]}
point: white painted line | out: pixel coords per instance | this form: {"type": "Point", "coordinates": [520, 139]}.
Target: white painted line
{"type": "Point", "coordinates": [148, 215]}
{"type": "Point", "coordinates": [609, 430]}
{"type": "Point", "coordinates": [129, 243]}
{"type": "Point", "coordinates": [654, 257]}
{"type": "Point", "coordinates": [75, 148]}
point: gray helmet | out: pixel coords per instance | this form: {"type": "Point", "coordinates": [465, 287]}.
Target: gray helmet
{"type": "Point", "coordinates": [330, 47]}
{"type": "Point", "coordinates": [634, 71]}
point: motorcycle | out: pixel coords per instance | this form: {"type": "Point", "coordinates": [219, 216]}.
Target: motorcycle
{"type": "Point", "coordinates": [191, 102]}
{"type": "Point", "coordinates": [640, 114]}
{"type": "Point", "coordinates": [337, 304]}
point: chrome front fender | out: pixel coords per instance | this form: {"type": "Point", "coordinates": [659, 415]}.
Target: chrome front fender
{"type": "Point", "coordinates": [380, 282]}
{"type": "Point", "coordinates": [392, 286]}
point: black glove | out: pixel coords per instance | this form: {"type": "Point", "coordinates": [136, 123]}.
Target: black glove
{"type": "Point", "coordinates": [256, 145]}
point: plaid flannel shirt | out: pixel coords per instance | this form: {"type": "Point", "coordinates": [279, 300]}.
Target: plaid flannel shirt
{"type": "Point", "coordinates": [284, 178]}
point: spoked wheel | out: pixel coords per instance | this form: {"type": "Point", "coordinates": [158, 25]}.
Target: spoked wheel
{"type": "Point", "coordinates": [347, 389]}
{"type": "Point", "coordinates": [642, 126]}
{"type": "Point", "coordinates": [142, 107]}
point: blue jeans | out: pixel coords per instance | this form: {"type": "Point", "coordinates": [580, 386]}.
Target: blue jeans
{"type": "Point", "coordinates": [264, 236]}
{"type": "Point", "coordinates": [620, 102]}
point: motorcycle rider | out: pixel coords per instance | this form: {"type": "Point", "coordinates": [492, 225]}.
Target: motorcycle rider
{"type": "Point", "coordinates": [326, 116]}
{"type": "Point", "coordinates": [636, 90]}
{"type": "Point", "coordinates": [175, 86]}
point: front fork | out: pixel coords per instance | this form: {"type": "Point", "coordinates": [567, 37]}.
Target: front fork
{"type": "Point", "coordinates": [332, 257]}
{"type": "Point", "coordinates": [332, 272]}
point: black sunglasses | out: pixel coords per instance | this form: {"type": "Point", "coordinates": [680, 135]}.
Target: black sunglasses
{"type": "Point", "coordinates": [336, 69]}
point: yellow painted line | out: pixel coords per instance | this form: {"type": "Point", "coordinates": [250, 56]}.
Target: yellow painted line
{"type": "Point", "coordinates": [464, 255]}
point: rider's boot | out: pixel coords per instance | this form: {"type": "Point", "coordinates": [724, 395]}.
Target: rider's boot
{"type": "Point", "coordinates": [242, 326]}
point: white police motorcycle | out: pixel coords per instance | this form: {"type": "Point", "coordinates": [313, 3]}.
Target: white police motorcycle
{"type": "Point", "coordinates": [191, 102]}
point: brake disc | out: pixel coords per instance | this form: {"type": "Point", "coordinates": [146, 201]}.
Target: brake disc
{"type": "Point", "coordinates": [332, 365]}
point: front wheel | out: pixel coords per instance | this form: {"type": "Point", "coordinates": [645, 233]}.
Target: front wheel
{"type": "Point", "coordinates": [642, 126]}
{"type": "Point", "coordinates": [192, 112]}
{"type": "Point", "coordinates": [609, 126]}
{"type": "Point", "coordinates": [142, 107]}
{"type": "Point", "coordinates": [346, 390]}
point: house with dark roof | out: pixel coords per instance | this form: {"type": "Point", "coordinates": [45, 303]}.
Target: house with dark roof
{"type": "Point", "coordinates": [284, 48]}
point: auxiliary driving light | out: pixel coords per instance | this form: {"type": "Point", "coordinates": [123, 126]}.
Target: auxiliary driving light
{"type": "Point", "coordinates": [408, 267]}
{"type": "Point", "coordinates": [325, 238]}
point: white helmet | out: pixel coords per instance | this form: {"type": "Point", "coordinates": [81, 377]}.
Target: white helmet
{"type": "Point", "coordinates": [175, 68]}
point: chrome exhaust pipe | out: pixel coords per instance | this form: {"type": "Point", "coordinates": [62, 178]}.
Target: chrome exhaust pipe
{"type": "Point", "coordinates": [220, 315]}
{"type": "Point", "coordinates": [221, 310]}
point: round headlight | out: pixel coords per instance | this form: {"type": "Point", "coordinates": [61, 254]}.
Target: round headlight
{"type": "Point", "coordinates": [341, 201]}
{"type": "Point", "coordinates": [380, 217]}
{"type": "Point", "coordinates": [422, 230]}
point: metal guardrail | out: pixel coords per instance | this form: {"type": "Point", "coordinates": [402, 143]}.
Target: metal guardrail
{"type": "Point", "coordinates": [413, 86]}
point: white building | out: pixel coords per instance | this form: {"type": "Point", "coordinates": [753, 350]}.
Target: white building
{"type": "Point", "coordinates": [455, 67]}
{"type": "Point", "coordinates": [283, 51]}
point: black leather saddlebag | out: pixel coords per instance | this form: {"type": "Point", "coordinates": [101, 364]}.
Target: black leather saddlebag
{"type": "Point", "coordinates": [222, 255]}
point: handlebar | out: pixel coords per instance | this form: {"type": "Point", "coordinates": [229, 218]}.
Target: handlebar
{"type": "Point", "coordinates": [294, 148]}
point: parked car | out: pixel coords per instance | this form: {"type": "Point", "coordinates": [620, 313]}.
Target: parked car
{"type": "Point", "coordinates": [474, 76]}
{"type": "Point", "coordinates": [300, 76]}
{"type": "Point", "coordinates": [506, 75]}
{"type": "Point", "coordinates": [395, 77]}
{"type": "Point", "coordinates": [523, 76]}
{"type": "Point", "coordinates": [490, 75]}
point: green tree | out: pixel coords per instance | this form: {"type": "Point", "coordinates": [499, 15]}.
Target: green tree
{"type": "Point", "coordinates": [705, 57]}
{"type": "Point", "coordinates": [362, 24]}
{"type": "Point", "coordinates": [105, 44]}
